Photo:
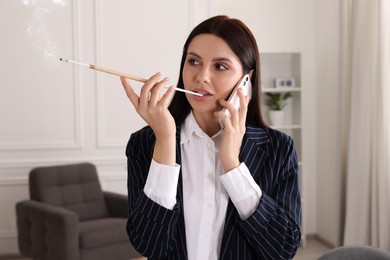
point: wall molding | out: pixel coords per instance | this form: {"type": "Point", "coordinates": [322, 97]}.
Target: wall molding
{"type": "Point", "coordinates": [13, 181]}
{"type": "Point", "coordinates": [60, 144]}
{"type": "Point", "coordinates": [30, 163]}
{"type": "Point", "coordinates": [23, 180]}
{"type": "Point", "coordinates": [116, 171]}
{"type": "Point", "coordinates": [102, 140]}
{"type": "Point", "coordinates": [8, 234]}
{"type": "Point", "coordinates": [198, 11]}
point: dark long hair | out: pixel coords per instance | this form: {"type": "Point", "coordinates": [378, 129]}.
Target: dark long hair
{"type": "Point", "coordinates": [241, 40]}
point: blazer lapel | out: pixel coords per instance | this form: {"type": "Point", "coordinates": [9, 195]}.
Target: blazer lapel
{"type": "Point", "coordinates": [182, 243]}
{"type": "Point", "coordinates": [253, 151]}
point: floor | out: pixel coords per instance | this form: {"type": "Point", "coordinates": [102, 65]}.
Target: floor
{"type": "Point", "coordinates": [312, 250]}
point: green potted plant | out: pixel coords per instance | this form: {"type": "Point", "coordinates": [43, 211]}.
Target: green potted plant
{"type": "Point", "coordinates": [276, 101]}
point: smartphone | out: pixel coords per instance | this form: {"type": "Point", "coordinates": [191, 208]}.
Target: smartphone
{"type": "Point", "coordinates": [246, 85]}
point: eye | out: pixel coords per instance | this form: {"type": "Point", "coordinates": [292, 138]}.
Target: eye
{"type": "Point", "coordinates": [221, 67]}
{"type": "Point", "coordinates": [193, 61]}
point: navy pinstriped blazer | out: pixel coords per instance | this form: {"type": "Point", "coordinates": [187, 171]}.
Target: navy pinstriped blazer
{"type": "Point", "coordinates": [273, 230]}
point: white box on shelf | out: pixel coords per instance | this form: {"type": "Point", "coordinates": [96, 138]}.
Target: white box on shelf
{"type": "Point", "coordinates": [284, 82]}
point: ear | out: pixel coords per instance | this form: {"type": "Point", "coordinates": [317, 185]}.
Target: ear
{"type": "Point", "coordinates": [250, 74]}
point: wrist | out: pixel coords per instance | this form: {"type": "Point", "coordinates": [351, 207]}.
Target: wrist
{"type": "Point", "coordinates": [165, 151]}
{"type": "Point", "coordinates": [229, 165]}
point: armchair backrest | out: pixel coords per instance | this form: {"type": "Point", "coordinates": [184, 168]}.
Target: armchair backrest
{"type": "Point", "coordinates": [75, 187]}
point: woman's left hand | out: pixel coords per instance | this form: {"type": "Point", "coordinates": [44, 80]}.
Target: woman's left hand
{"type": "Point", "coordinates": [234, 130]}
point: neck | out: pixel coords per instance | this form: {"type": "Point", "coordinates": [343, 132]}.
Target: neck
{"type": "Point", "coordinates": [208, 123]}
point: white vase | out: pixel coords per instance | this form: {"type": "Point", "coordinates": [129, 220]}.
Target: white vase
{"type": "Point", "coordinates": [276, 117]}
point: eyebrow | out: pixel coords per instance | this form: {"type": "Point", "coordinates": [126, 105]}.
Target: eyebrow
{"type": "Point", "coordinates": [215, 59]}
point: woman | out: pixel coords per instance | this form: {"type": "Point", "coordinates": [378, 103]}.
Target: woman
{"type": "Point", "coordinates": [195, 190]}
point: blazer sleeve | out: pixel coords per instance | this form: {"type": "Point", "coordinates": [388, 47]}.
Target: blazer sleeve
{"type": "Point", "coordinates": [273, 230]}
{"type": "Point", "coordinates": [151, 228]}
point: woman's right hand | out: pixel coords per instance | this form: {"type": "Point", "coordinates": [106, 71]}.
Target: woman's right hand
{"type": "Point", "coordinates": [153, 108]}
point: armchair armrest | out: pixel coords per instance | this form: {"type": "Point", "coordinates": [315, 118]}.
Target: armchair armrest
{"type": "Point", "coordinates": [117, 204]}
{"type": "Point", "coordinates": [47, 232]}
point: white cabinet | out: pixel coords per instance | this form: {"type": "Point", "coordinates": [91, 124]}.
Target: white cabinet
{"type": "Point", "coordinates": [286, 66]}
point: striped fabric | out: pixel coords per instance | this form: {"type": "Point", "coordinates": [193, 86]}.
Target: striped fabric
{"type": "Point", "coordinates": [272, 232]}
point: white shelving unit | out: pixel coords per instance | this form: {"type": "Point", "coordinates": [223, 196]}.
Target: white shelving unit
{"type": "Point", "coordinates": [287, 65]}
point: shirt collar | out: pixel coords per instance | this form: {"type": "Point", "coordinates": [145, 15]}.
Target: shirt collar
{"type": "Point", "coordinates": [190, 127]}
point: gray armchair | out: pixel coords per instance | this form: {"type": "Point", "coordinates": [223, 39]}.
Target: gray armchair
{"type": "Point", "coordinates": [355, 253]}
{"type": "Point", "coordinates": [69, 217]}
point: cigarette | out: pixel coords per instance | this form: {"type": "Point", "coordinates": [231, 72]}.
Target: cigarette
{"type": "Point", "coordinates": [118, 73]}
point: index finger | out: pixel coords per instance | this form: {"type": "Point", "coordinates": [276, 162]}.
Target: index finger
{"type": "Point", "coordinates": [134, 99]}
{"type": "Point", "coordinates": [243, 104]}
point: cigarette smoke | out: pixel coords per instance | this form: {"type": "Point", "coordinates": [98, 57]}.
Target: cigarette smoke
{"type": "Point", "coordinates": [37, 30]}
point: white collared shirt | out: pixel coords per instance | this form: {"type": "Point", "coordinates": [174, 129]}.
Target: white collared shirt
{"type": "Point", "coordinates": [206, 190]}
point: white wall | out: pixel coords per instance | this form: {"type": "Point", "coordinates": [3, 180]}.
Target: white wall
{"type": "Point", "coordinates": [329, 144]}
{"type": "Point", "coordinates": [57, 113]}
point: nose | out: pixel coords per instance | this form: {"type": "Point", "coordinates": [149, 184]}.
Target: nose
{"type": "Point", "coordinates": [203, 75]}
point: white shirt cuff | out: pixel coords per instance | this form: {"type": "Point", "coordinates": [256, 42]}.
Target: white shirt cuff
{"type": "Point", "coordinates": [244, 192]}
{"type": "Point", "coordinates": [161, 184]}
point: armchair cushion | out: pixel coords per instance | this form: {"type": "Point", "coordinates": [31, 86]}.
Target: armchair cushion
{"type": "Point", "coordinates": [102, 232]}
